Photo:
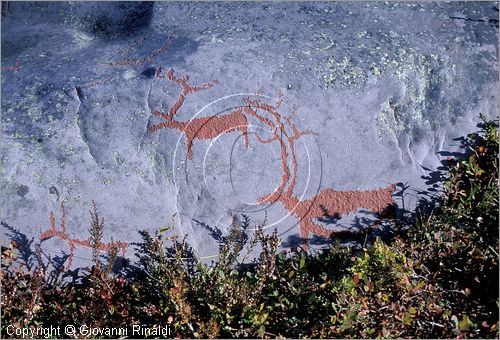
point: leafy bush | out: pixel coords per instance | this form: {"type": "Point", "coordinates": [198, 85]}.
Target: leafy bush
{"type": "Point", "coordinates": [438, 279]}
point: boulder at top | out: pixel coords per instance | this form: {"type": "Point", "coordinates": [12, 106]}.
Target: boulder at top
{"type": "Point", "coordinates": [314, 119]}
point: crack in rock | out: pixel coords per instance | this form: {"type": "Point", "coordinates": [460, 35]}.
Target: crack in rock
{"type": "Point", "coordinates": [143, 137]}
{"type": "Point", "coordinates": [83, 136]}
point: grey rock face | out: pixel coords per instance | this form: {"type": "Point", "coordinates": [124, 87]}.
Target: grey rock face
{"type": "Point", "coordinates": [379, 93]}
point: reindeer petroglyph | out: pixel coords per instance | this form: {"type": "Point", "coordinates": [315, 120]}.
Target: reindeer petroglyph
{"type": "Point", "coordinates": [284, 132]}
{"type": "Point", "coordinates": [328, 201]}
{"type": "Point", "coordinates": [200, 127]}
{"type": "Point", "coordinates": [63, 235]}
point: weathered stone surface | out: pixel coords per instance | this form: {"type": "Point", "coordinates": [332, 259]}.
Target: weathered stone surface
{"type": "Point", "coordinates": [379, 90]}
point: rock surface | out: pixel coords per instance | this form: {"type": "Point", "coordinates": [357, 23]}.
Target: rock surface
{"type": "Point", "coordinates": [302, 116]}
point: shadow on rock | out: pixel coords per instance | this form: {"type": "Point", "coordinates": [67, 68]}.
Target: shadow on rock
{"type": "Point", "coordinates": [23, 243]}
{"type": "Point", "coordinates": [108, 20]}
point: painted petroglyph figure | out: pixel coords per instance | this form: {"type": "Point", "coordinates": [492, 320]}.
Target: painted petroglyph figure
{"type": "Point", "coordinates": [139, 61]}
{"type": "Point", "coordinates": [199, 127]}
{"type": "Point", "coordinates": [63, 235]}
{"type": "Point", "coordinates": [285, 133]}
{"type": "Point", "coordinates": [149, 59]}
{"type": "Point", "coordinates": [14, 67]}
{"type": "Point", "coordinates": [328, 201]}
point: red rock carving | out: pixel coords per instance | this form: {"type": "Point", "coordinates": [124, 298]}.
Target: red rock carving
{"type": "Point", "coordinates": [63, 235]}
{"type": "Point", "coordinates": [328, 201]}
{"type": "Point", "coordinates": [285, 132]}
{"type": "Point", "coordinates": [199, 127]}
{"type": "Point", "coordinates": [14, 67]}
{"type": "Point", "coordinates": [146, 59]}
{"type": "Point", "coordinates": [133, 61]}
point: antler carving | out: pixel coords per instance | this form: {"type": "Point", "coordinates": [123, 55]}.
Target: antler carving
{"type": "Point", "coordinates": [199, 127]}
{"type": "Point", "coordinates": [285, 132]}
{"type": "Point", "coordinates": [328, 201]}
{"type": "Point", "coordinates": [63, 235]}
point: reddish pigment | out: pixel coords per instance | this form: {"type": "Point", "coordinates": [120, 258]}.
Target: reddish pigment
{"type": "Point", "coordinates": [286, 133]}
{"type": "Point", "coordinates": [73, 243]}
{"type": "Point", "coordinates": [199, 127]}
{"type": "Point", "coordinates": [328, 201]}
{"type": "Point", "coordinates": [14, 67]}
{"type": "Point", "coordinates": [149, 59]}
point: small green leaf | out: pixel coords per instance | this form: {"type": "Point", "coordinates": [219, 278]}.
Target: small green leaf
{"type": "Point", "coordinates": [164, 229]}
{"type": "Point", "coordinates": [464, 324]}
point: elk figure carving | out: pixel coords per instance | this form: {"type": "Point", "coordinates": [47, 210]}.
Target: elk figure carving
{"type": "Point", "coordinates": [200, 127]}
{"type": "Point", "coordinates": [285, 133]}
{"type": "Point", "coordinates": [328, 201]}
{"type": "Point", "coordinates": [73, 243]}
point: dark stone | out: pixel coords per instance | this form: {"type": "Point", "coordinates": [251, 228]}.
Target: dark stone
{"type": "Point", "coordinates": [22, 190]}
{"type": "Point", "coordinates": [149, 72]}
